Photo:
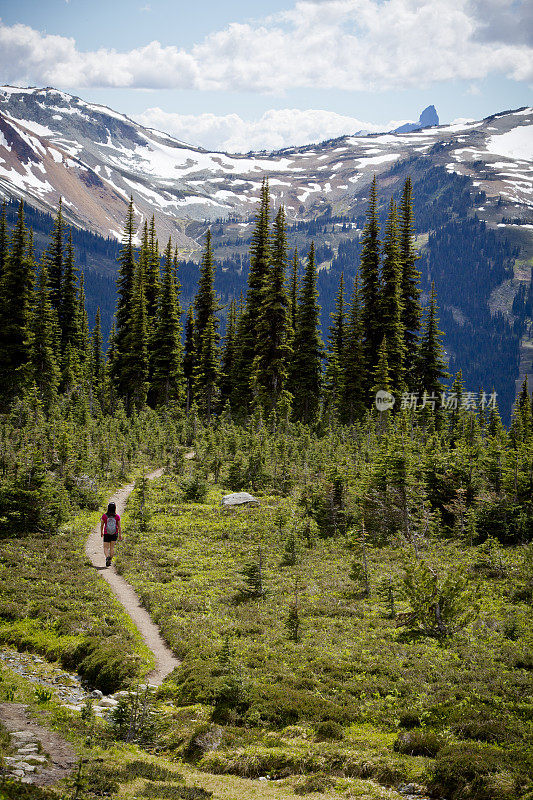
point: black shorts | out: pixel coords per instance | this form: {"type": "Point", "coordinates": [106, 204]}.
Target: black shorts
{"type": "Point", "coordinates": [110, 537]}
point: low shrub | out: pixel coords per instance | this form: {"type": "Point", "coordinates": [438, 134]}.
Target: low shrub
{"type": "Point", "coordinates": [205, 738]}
{"type": "Point", "coordinates": [15, 790]}
{"type": "Point", "coordinates": [102, 663]}
{"type": "Point", "coordinates": [485, 725]}
{"type": "Point", "coordinates": [280, 706]}
{"type": "Point", "coordinates": [383, 770]}
{"type": "Point", "coordinates": [418, 742]}
{"type": "Point", "coordinates": [145, 769]}
{"type": "Point", "coordinates": [172, 791]}
{"type": "Point", "coordinates": [319, 782]}
{"type": "Point", "coordinates": [194, 489]}
{"type": "Point", "coordinates": [329, 730]}
{"type": "Point", "coordinates": [476, 772]}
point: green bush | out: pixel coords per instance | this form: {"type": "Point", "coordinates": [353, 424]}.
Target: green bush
{"type": "Point", "coordinates": [283, 705]}
{"type": "Point", "coordinates": [475, 772]}
{"type": "Point", "coordinates": [15, 790]}
{"type": "Point", "coordinates": [194, 489]}
{"type": "Point", "coordinates": [329, 730]}
{"type": "Point", "coordinates": [204, 738]}
{"type": "Point", "coordinates": [319, 782]}
{"type": "Point", "coordinates": [146, 769]}
{"type": "Point", "coordinates": [102, 663]}
{"type": "Point", "coordinates": [418, 742]}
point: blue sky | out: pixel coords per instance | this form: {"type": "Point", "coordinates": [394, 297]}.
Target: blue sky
{"type": "Point", "coordinates": [240, 75]}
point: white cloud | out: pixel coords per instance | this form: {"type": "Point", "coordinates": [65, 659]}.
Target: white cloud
{"type": "Point", "coordinates": [364, 45]}
{"type": "Point", "coordinates": [274, 130]}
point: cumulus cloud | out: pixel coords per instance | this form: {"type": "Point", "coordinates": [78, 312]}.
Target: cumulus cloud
{"type": "Point", "coordinates": [350, 44]}
{"type": "Point", "coordinates": [274, 130]}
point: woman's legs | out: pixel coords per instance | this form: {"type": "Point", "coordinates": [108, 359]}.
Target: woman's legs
{"type": "Point", "coordinates": [111, 549]}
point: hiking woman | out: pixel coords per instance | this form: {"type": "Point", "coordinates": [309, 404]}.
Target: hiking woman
{"type": "Point", "coordinates": [110, 530]}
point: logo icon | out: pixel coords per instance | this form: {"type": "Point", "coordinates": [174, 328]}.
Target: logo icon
{"type": "Point", "coordinates": [384, 400]}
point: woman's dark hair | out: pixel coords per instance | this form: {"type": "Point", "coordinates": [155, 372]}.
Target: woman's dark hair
{"type": "Point", "coordinates": [111, 510]}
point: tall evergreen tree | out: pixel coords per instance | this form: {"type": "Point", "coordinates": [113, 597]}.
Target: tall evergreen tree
{"type": "Point", "coordinates": [55, 259]}
{"type": "Point", "coordinates": [259, 256]}
{"type": "Point", "coordinates": [125, 285]}
{"type": "Point", "coordinates": [272, 348]}
{"type": "Point", "coordinates": [246, 338]}
{"type": "Point", "coordinates": [152, 273]}
{"type": "Point", "coordinates": [207, 370]}
{"type": "Point", "coordinates": [45, 369]}
{"type": "Point", "coordinates": [335, 354]}
{"type": "Point", "coordinates": [370, 285]}
{"type": "Point", "coordinates": [83, 341]}
{"type": "Point", "coordinates": [306, 366]}
{"type": "Point", "coordinates": [16, 304]}
{"type": "Point", "coordinates": [168, 356]}
{"type": "Point", "coordinates": [97, 357]}
{"type": "Point", "coordinates": [431, 367]}
{"type": "Point", "coordinates": [68, 310]}
{"type": "Point", "coordinates": [410, 289]}
{"type": "Point", "coordinates": [352, 402]}
{"type": "Point", "coordinates": [391, 302]}
{"type": "Point", "coordinates": [293, 290]}
{"type": "Point", "coordinates": [4, 240]}
{"type": "Point", "coordinates": [228, 355]}
{"type": "Point", "coordinates": [136, 366]}
{"type": "Point", "coordinates": [205, 302]}
{"type": "Point", "coordinates": [206, 337]}
{"type": "Point", "coordinates": [188, 357]}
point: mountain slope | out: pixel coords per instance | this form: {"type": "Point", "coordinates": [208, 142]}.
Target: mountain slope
{"type": "Point", "coordinates": [55, 144]}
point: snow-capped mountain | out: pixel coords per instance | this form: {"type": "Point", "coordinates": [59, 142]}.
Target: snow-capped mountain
{"type": "Point", "coordinates": [53, 144]}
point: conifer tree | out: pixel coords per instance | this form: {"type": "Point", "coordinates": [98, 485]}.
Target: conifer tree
{"type": "Point", "coordinates": [152, 273]}
{"type": "Point", "coordinates": [45, 369]}
{"type": "Point", "coordinates": [168, 357]}
{"type": "Point", "coordinates": [431, 367]}
{"type": "Point", "coordinates": [391, 302]}
{"type": "Point", "coordinates": [16, 304]}
{"type": "Point", "coordinates": [293, 291]}
{"type": "Point", "coordinates": [188, 357]}
{"type": "Point", "coordinates": [68, 309]}
{"type": "Point", "coordinates": [272, 325]}
{"type": "Point", "coordinates": [4, 240]}
{"type": "Point", "coordinates": [306, 366]}
{"type": "Point", "coordinates": [206, 337]}
{"type": "Point", "coordinates": [370, 285]}
{"type": "Point", "coordinates": [205, 302]}
{"type": "Point", "coordinates": [381, 375]}
{"type": "Point", "coordinates": [136, 364]}
{"type": "Point", "coordinates": [410, 289]}
{"type": "Point", "coordinates": [55, 259]}
{"type": "Point", "coordinates": [83, 340]}
{"type": "Point", "coordinates": [246, 338]}
{"type": "Point", "coordinates": [97, 357]}
{"type": "Point", "coordinates": [352, 398]}
{"type": "Point", "coordinates": [207, 370]}
{"type": "Point", "coordinates": [335, 354]}
{"type": "Point", "coordinates": [125, 282]}
{"type": "Point", "coordinates": [521, 424]}
{"type": "Point", "coordinates": [259, 256]}
{"type": "Point", "coordinates": [228, 355]}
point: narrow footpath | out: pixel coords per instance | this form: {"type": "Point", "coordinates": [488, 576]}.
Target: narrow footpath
{"type": "Point", "coordinates": [166, 661]}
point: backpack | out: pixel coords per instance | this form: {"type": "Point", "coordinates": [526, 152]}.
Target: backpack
{"type": "Point", "coordinates": [111, 526]}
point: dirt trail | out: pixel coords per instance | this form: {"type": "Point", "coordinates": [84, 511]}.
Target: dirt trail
{"type": "Point", "coordinates": [166, 661]}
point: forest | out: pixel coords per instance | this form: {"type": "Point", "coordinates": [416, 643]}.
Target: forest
{"type": "Point", "coordinates": [367, 626]}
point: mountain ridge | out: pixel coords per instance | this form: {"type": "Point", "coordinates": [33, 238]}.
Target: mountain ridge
{"type": "Point", "coordinates": [95, 158]}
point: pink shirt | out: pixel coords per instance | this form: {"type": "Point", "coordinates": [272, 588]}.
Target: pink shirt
{"type": "Point", "coordinates": [104, 520]}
